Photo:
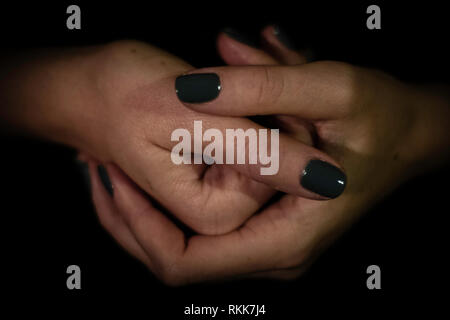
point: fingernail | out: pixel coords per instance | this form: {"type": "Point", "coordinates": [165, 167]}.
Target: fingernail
{"type": "Point", "coordinates": [283, 37]}
{"type": "Point", "coordinates": [197, 87]}
{"type": "Point", "coordinates": [323, 178]}
{"type": "Point", "coordinates": [239, 36]}
{"type": "Point", "coordinates": [104, 178]}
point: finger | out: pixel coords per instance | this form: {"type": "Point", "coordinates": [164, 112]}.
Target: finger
{"type": "Point", "coordinates": [315, 91]}
{"type": "Point", "coordinates": [110, 219]}
{"type": "Point", "coordinates": [235, 49]}
{"type": "Point", "coordinates": [281, 46]}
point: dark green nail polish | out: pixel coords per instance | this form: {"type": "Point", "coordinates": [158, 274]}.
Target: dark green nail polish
{"type": "Point", "coordinates": [323, 178]}
{"type": "Point", "coordinates": [239, 36]}
{"type": "Point", "coordinates": [198, 87]}
{"type": "Point", "coordinates": [104, 178]}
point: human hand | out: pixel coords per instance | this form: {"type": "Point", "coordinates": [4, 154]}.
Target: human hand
{"type": "Point", "coordinates": [364, 118]}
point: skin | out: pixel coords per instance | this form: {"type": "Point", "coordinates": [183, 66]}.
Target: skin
{"type": "Point", "coordinates": [117, 103]}
{"type": "Point", "coordinates": [375, 125]}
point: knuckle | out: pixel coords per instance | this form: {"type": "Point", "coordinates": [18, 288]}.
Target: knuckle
{"type": "Point", "coordinates": [346, 85]}
{"type": "Point", "coordinates": [114, 53]}
{"type": "Point", "coordinates": [270, 86]}
{"type": "Point", "coordinates": [347, 94]}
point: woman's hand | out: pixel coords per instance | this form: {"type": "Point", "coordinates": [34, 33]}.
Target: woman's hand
{"type": "Point", "coordinates": [117, 104]}
{"type": "Point", "coordinates": [375, 125]}
{"type": "Point", "coordinates": [136, 115]}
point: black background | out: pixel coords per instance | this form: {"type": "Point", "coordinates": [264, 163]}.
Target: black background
{"type": "Point", "coordinates": [48, 221]}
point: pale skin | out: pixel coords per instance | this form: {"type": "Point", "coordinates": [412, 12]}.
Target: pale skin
{"type": "Point", "coordinates": [376, 127]}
